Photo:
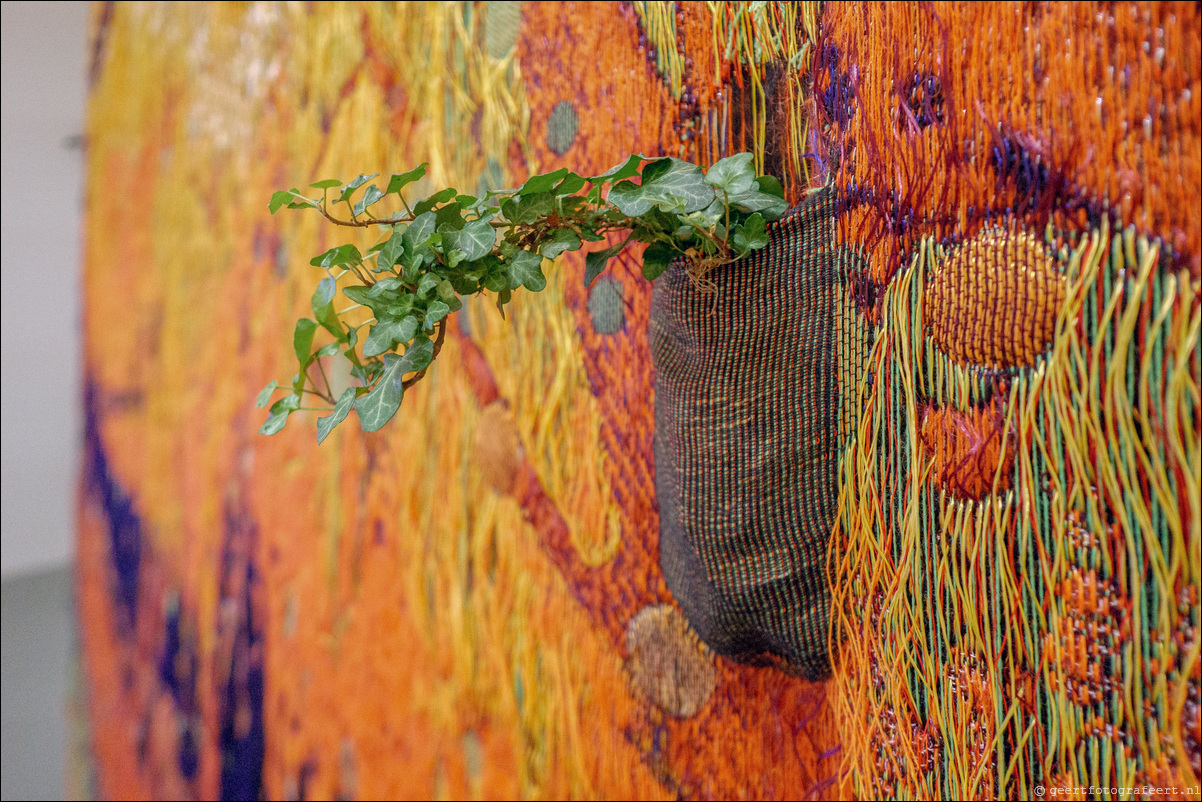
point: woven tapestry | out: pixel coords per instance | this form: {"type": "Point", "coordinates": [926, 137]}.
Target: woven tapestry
{"type": "Point", "coordinates": [1015, 574]}
{"type": "Point", "coordinates": [904, 505]}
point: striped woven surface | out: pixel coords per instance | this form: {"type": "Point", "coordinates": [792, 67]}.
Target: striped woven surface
{"type": "Point", "coordinates": [747, 442]}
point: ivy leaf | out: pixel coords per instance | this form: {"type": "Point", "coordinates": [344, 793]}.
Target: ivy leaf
{"type": "Point", "coordinates": [750, 236]}
{"type": "Point", "coordinates": [358, 294]}
{"type": "Point", "coordinates": [626, 169]}
{"type": "Point", "coordinates": [429, 203]}
{"type": "Point", "coordinates": [370, 196]}
{"type": "Point", "coordinates": [428, 283]}
{"type": "Point", "coordinates": [449, 217]}
{"type": "Point", "coordinates": [274, 423]}
{"type": "Point", "coordinates": [475, 270]}
{"type": "Point", "coordinates": [561, 239]}
{"type": "Point", "coordinates": [453, 257]}
{"type": "Point", "coordinates": [436, 311]}
{"type": "Point", "coordinates": [378, 406]}
{"type": "Point", "coordinates": [734, 175]}
{"type": "Point", "coordinates": [770, 186]}
{"type": "Point", "coordinates": [419, 231]}
{"type": "Point", "coordinates": [596, 262]}
{"type": "Point", "coordinates": [497, 280]}
{"type": "Point", "coordinates": [280, 411]}
{"type": "Point", "coordinates": [350, 188]}
{"type": "Point", "coordinates": [528, 208]}
{"type": "Point", "coordinates": [416, 240]}
{"type": "Point", "coordinates": [570, 205]}
{"type": "Point", "coordinates": [755, 201]}
{"type": "Point", "coordinates": [384, 336]}
{"type": "Point", "coordinates": [543, 183]}
{"type": "Point", "coordinates": [475, 240]}
{"type": "Point", "coordinates": [302, 340]}
{"type": "Point", "coordinates": [341, 410]}
{"type": "Point", "coordinates": [398, 305]}
{"type": "Point", "coordinates": [385, 285]}
{"type": "Point", "coordinates": [570, 184]}
{"type": "Point", "coordinates": [278, 199]}
{"type": "Point", "coordinates": [711, 214]}
{"type": "Point", "coordinates": [677, 182]}
{"type": "Point", "coordinates": [525, 270]}
{"type": "Point", "coordinates": [365, 373]}
{"type": "Point", "coordinates": [329, 349]}
{"type": "Point", "coordinates": [417, 356]}
{"type": "Point", "coordinates": [398, 182]}
{"type": "Point", "coordinates": [323, 306]}
{"type": "Point", "coordinates": [671, 203]}
{"type": "Point", "coordinates": [656, 259]}
{"type": "Point", "coordinates": [265, 394]}
{"type": "Point", "coordinates": [289, 403]}
{"type": "Point", "coordinates": [448, 256]}
{"type": "Point", "coordinates": [464, 285]}
{"type": "Point", "coordinates": [292, 197]}
{"type": "Point", "coordinates": [763, 194]}
{"type": "Point", "coordinates": [655, 169]}
{"type": "Point", "coordinates": [337, 257]}
{"type": "Point", "coordinates": [394, 248]}
{"type": "Point", "coordinates": [754, 230]}
{"type": "Point", "coordinates": [391, 291]}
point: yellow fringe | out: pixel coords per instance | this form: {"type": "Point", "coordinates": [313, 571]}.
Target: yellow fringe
{"type": "Point", "coordinates": [962, 618]}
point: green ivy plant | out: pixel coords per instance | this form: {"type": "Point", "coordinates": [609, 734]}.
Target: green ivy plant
{"type": "Point", "coordinates": [450, 245]}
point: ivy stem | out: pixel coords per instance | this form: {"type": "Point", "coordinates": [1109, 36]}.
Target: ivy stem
{"type": "Point", "coordinates": [406, 205]}
{"type": "Point", "coordinates": [324, 378]}
{"type": "Point", "coordinates": [319, 394]}
{"type": "Point", "coordinates": [353, 223]}
{"type": "Point", "coordinates": [362, 276]}
{"type": "Point", "coordinates": [726, 200]}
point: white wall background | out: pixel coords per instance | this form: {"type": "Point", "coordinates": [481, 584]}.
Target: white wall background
{"type": "Point", "coordinates": [43, 60]}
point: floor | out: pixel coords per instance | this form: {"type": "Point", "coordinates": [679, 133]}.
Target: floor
{"type": "Point", "coordinates": [38, 678]}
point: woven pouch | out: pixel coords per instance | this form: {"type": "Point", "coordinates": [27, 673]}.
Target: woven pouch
{"type": "Point", "coordinates": [747, 441]}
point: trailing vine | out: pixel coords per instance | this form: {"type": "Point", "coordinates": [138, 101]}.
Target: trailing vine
{"type": "Point", "coordinates": [449, 245]}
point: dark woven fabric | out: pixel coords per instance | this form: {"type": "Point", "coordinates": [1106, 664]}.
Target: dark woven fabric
{"type": "Point", "coordinates": [747, 442]}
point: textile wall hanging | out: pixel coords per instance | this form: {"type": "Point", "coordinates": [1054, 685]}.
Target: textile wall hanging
{"type": "Point", "coordinates": [908, 507]}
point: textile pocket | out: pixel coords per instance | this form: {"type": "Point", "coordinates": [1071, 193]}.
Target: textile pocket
{"type": "Point", "coordinates": [751, 416]}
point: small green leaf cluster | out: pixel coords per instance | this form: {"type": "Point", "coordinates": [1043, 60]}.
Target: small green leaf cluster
{"type": "Point", "coordinates": [449, 245]}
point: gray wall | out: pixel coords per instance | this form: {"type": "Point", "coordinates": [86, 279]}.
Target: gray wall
{"type": "Point", "coordinates": [44, 87]}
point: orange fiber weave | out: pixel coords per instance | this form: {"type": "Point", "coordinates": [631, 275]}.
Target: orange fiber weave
{"type": "Point", "coordinates": [445, 608]}
{"type": "Point", "coordinates": [469, 603]}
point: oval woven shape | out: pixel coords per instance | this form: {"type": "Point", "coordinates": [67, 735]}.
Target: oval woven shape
{"type": "Point", "coordinates": [667, 663]}
{"type": "Point", "coordinates": [993, 300]}
{"type": "Point", "coordinates": [747, 442]}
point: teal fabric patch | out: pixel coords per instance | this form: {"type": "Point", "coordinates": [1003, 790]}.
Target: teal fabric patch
{"type": "Point", "coordinates": [605, 305]}
{"type": "Point", "coordinates": [561, 127]}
